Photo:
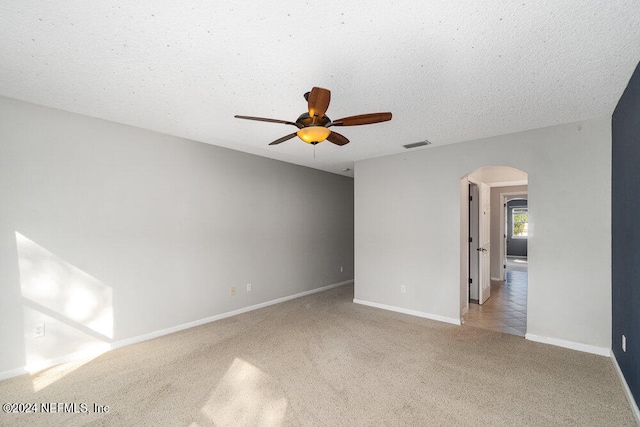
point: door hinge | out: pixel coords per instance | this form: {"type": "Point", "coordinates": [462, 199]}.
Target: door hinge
{"type": "Point", "coordinates": [504, 266]}
{"type": "Point", "coordinates": [470, 239]}
{"type": "Point", "coordinates": [470, 198]}
{"type": "Point", "coordinates": [470, 280]}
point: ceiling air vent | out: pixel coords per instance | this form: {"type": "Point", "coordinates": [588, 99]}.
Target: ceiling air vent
{"type": "Point", "coordinates": [417, 144]}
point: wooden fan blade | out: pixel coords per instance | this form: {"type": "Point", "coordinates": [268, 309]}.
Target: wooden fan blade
{"type": "Point", "coordinates": [363, 119]}
{"type": "Point", "coordinates": [262, 119]}
{"type": "Point", "coordinates": [337, 139]}
{"type": "Point", "coordinates": [284, 138]}
{"type": "Point", "coordinates": [319, 99]}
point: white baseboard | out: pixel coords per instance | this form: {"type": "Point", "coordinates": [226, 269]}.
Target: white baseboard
{"type": "Point", "coordinates": [195, 323]}
{"type": "Point", "coordinates": [12, 373]}
{"type": "Point", "coordinates": [627, 390]}
{"type": "Point", "coordinates": [410, 312]}
{"type": "Point", "coordinates": [497, 279]}
{"type": "Point", "coordinates": [145, 337]}
{"type": "Point", "coordinates": [602, 351]}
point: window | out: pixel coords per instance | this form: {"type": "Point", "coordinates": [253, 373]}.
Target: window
{"type": "Point", "coordinates": [519, 223]}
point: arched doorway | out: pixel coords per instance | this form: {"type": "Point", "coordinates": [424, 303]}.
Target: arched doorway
{"type": "Point", "coordinates": [493, 296]}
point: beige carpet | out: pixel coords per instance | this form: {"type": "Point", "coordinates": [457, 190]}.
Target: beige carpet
{"type": "Point", "coordinates": [322, 360]}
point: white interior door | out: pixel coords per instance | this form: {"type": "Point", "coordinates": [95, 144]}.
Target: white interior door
{"type": "Point", "coordinates": [484, 232]}
{"type": "Point", "coordinates": [503, 274]}
{"type": "Point", "coordinates": [474, 242]}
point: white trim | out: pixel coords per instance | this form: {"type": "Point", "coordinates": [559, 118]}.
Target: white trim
{"type": "Point", "coordinates": [627, 390]}
{"type": "Point", "coordinates": [195, 323]}
{"type": "Point", "coordinates": [516, 183]}
{"type": "Point", "coordinates": [410, 312]}
{"type": "Point", "coordinates": [12, 373]}
{"type": "Point", "coordinates": [504, 198]}
{"type": "Point", "coordinates": [497, 279]}
{"type": "Point", "coordinates": [601, 351]}
{"type": "Point", "coordinates": [151, 335]}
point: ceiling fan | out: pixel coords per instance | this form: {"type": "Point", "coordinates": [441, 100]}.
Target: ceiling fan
{"type": "Point", "coordinates": [313, 126]}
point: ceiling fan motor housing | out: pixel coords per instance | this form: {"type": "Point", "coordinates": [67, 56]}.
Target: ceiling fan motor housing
{"type": "Point", "coordinates": [305, 120]}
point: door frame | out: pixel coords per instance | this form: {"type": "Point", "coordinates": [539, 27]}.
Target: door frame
{"type": "Point", "coordinates": [504, 198]}
{"type": "Point", "coordinates": [484, 240]}
{"type": "Point", "coordinates": [484, 225]}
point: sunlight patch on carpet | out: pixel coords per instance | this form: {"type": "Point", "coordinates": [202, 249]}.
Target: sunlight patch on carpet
{"type": "Point", "coordinates": [246, 396]}
{"type": "Point", "coordinates": [42, 378]}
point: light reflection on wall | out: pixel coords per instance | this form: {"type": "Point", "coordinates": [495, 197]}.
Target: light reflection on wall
{"type": "Point", "coordinates": [76, 308]}
{"type": "Point", "coordinates": [246, 396]}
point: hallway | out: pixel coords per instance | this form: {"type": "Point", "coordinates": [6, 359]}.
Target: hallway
{"type": "Point", "coordinates": [506, 309]}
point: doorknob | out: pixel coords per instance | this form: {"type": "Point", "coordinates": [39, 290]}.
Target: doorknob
{"type": "Point", "coordinates": [481, 250]}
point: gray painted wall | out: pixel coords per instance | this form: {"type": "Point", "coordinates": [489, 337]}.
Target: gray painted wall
{"type": "Point", "coordinates": [408, 229]}
{"type": "Point", "coordinates": [109, 232]}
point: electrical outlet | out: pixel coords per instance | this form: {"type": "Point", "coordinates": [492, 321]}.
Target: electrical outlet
{"type": "Point", "coordinates": [403, 289]}
{"type": "Point", "coordinates": [38, 330]}
{"type": "Point", "coordinates": [233, 290]}
{"type": "Point", "coordinates": [248, 287]}
{"type": "Point", "coordinates": [624, 343]}
{"type": "Point", "coordinates": [341, 270]}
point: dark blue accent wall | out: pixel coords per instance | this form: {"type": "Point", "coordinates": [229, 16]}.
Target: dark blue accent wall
{"type": "Point", "coordinates": [625, 232]}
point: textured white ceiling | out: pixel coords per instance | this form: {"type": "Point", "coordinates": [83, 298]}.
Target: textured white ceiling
{"type": "Point", "coordinates": [449, 71]}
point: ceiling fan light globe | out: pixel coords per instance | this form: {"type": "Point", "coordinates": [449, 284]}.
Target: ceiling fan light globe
{"type": "Point", "coordinates": [313, 134]}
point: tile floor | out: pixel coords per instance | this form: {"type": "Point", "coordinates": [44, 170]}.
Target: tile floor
{"type": "Point", "coordinates": [506, 309]}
